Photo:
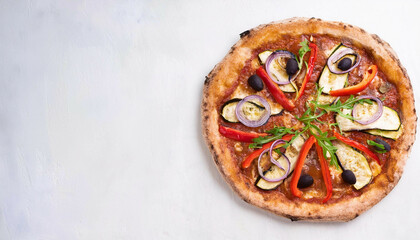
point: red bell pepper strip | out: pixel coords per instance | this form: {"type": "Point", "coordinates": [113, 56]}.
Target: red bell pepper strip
{"type": "Point", "coordinates": [311, 65]}
{"type": "Point", "coordinates": [274, 89]}
{"type": "Point", "coordinates": [239, 135]}
{"type": "Point", "coordinates": [248, 160]}
{"type": "Point", "coordinates": [367, 78]}
{"type": "Point", "coordinates": [325, 172]}
{"type": "Point", "coordinates": [357, 145]}
{"type": "Point", "coordinates": [299, 164]}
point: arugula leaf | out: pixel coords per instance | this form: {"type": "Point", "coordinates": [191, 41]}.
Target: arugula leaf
{"type": "Point", "coordinates": [310, 117]}
{"type": "Point", "coordinates": [380, 148]}
{"type": "Point", "coordinates": [338, 106]}
{"type": "Point", "coordinates": [278, 151]}
{"type": "Point", "coordinates": [302, 51]}
{"type": "Point", "coordinates": [327, 146]}
{"type": "Point", "coordinates": [304, 48]}
{"type": "Point", "coordinates": [334, 124]}
{"type": "Point", "coordinates": [375, 144]}
{"type": "Point", "coordinates": [297, 134]}
{"type": "Point", "coordinates": [276, 133]}
{"type": "Point", "coordinates": [322, 138]}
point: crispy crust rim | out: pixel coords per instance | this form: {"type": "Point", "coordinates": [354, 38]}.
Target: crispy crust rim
{"type": "Point", "coordinates": [226, 73]}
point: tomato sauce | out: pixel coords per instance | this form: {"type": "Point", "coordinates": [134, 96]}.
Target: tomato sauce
{"type": "Point", "coordinates": [312, 167]}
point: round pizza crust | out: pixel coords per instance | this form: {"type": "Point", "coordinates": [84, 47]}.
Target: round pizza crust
{"type": "Point", "coordinates": [224, 75]}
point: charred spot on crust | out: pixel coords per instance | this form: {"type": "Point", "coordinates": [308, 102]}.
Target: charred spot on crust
{"type": "Point", "coordinates": [293, 218]}
{"type": "Point", "coordinates": [207, 80]}
{"type": "Point", "coordinates": [232, 49]}
{"type": "Point", "coordinates": [377, 38]}
{"type": "Point", "coordinates": [408, 148]}
{"type": "Point", "coordinates": [245, 33]}
{"type": "Point", "coordinates": [216, 160]}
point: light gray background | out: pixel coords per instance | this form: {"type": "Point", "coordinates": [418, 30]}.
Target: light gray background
{"type": "Point", "coordinates": [100, 132]}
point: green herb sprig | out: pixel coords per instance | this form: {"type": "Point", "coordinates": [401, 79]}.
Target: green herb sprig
{"type": "Point", "coordinates": [314, 111]}
{"type": "Point", "coordinates": [325, 143]}
{"type": "Point", "coordinates": [338, 106]}
{"type": "Point", "coordinates": [380, 148]}
{"type": "Point", "coordinates": [302, 51]}
{"type": "Point", "coordinates": [276, 133]}
{"type": "Point", "coordinates": [322, 138]}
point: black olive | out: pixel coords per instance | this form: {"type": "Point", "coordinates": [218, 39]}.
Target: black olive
{"type": "Point", "coordinates": [305, 181]}
{"type": "Point", "coordinates": [255, 82]}
{"type": "Point", "coordinates": [385, 144]}
{"type": "Point", "coordinates": [292, 66]}
{"type": "Point", "coordinates": [348, 177]}
{"type": "Point", "coordinates": [345, 64]}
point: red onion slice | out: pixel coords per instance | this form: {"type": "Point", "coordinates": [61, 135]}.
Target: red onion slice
{"type": "Point", "coordinates": [272, 160]}
{"type": "Point", "coordinates": [375, 116]}
{"type": "Point", "coordinates": [335, 101]}
{"type": "Point", "coordinates": [250, 123]}
{"type": "Point", "coordinates": [337, 55]}
{"type": "Point", "coordinates": [276, 55]}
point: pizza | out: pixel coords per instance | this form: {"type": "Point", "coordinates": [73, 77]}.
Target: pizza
{"type": "Point", "coordinates": [309, 119]}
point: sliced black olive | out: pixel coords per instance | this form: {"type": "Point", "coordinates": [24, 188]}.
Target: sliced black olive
{"type": "Point", "coordinates": [305, 181]}
{"type": "Point", "coordinates": [348, 177]}
{"type": "Point", "coordinates": [292, 66]}
{"type": "Point", "coordinates": [344, 64]}
{"type": "Point", "coordinates": [385, 144]}
{"type": "Point", "coordinates": [255, 82]}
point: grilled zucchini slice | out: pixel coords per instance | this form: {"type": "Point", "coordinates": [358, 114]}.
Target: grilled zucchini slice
{"type": "Point", "coordinates": [253, 110]}
{"type": "Point", "coordinates": [264, 55]}
{"type": "Point", "coordinates": [229, 107]}
{"type": "Point", "coordinates": [388, 121]}
{"type": "Point", "coordinates": [386, 134]}
{"type": "Point", "coordinates": [326, 99]}
{"type": "Point", "coordinates": [289, 88]}
{"type": "Point", "coordinates": [331, 81]}
{"type": "Point", "coordinates": [354, 161]}
{"type": "Point", "coordinates": [228, 110]}
{"type": "Point", "coordinates": [292, 153]}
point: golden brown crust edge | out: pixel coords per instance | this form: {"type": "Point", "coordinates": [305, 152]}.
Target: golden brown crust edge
{"type": "Point", "coordinates": [225, 74]}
